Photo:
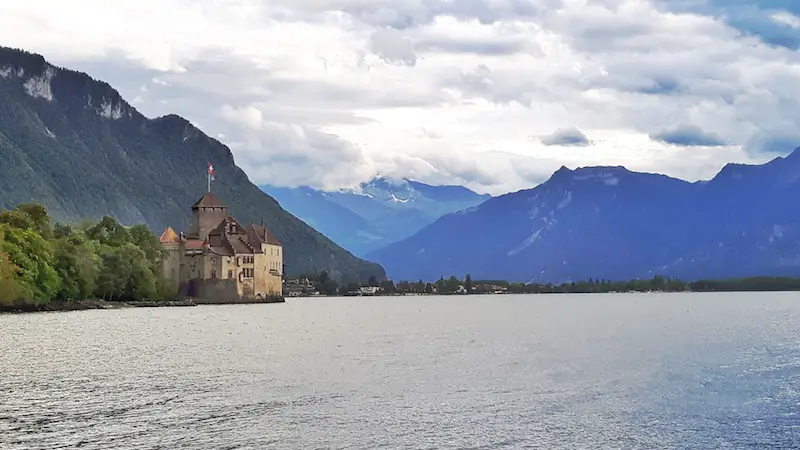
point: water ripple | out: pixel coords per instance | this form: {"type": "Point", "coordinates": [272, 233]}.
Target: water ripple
{"type": "Point", "coordinates": [558, 372]}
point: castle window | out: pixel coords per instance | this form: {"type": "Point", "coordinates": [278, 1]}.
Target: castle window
{"type": "Point", "coordinates": [230, 274]}
{"type": "Point", "coordinates": [213, 274]}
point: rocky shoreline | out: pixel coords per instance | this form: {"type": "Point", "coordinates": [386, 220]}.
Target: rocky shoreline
{"type": "Point", "coordinates": [82, 305]}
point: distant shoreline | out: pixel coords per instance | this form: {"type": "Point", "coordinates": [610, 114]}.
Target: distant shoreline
{"type": "Point", "coordinates": [84, 305]}
{"type": "Point", "coordinates": [383, 295]}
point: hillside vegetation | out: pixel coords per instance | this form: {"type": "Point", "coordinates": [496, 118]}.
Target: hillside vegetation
{"type": "Point", "coordinates": [74, 145]}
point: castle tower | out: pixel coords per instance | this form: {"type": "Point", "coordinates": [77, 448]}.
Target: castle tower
{"type": "Point", "coordinates": [207, 213]}
{"type": "Point", "coordinates": [170, 265]}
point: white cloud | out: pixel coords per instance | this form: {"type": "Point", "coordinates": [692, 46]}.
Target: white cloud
{"type": "Point", "coordinates": [247, 117]}
{"type": "Point", "coordinates": [330, 92]}
{"type": "Point", "coordinates": [392, 46]}
{"type": "Point", "coordinates": [786, 18]}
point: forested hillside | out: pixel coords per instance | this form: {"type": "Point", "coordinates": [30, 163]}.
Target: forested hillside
{"type": "Point", "coordinates": [73, 144]}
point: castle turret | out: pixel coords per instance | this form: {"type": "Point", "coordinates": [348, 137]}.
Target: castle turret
{"type": "Point", "coordinates": [171, 262]}
{"type": "Point", "coordinates": [207, 213]}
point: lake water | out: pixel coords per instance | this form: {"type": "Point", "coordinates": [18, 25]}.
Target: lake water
{"type": "Point", "coordinates": [629, 371]}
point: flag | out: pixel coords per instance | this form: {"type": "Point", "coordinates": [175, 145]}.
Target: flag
{"type": "Point", "coordinates": [210, 171]}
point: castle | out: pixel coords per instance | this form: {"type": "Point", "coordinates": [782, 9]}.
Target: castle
{"type": "Point", "coordinates": [220, 260]}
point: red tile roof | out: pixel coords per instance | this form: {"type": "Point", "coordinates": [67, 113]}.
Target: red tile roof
{"type": "Point", "coordinates": [194, 243]}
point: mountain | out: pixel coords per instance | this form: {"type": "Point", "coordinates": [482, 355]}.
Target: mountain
{"type": "Point", "coordinates": [73, 144]}
{"type": "Point", "coordinates": [611, 223]}
{"type": "Point", "coordinates": [375, 213]}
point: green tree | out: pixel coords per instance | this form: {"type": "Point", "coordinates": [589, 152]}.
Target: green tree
{"type": "Point", "coordinates": [17, 219]}
{"type": "Point", "coordinates": [76, 265]}
{"type": "Point", "coordinates": [468, 283]}
{"type": "Point", "coordinates": [330, 287]}
{"type": "Point", "coordinates": [125, 274]}
{"type": "Point", "coordinates": [404, 287]}
{"type": "Point", "coordinates": [142, 237]}
{"type": "Point", "coordinates": [109, 232]}
{"type": "Point", "coordinates": [61, 231]}
{"type": "Point", "coordinates": [10, 290]}
{"type": "Point", "coordinates": [33, 256]}
{"type": "Point", "coordinates": [441, 285]}
{"type": "Point", "coordinates": [39, 218]}
{"type": "Point", "coordinates": [388, 286]}
{"type": "Point", "coordinates": [452, 284]}
{"type": "Point", "coordinates": [142, 284]}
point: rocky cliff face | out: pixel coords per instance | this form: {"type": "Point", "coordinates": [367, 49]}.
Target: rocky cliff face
{"type": "Point", "coordinates": [73, 144]}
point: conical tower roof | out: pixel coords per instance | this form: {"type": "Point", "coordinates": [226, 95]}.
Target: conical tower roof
{"type": "Point", "coordinates": [169, 236]}
{"type": "Point", "coordinates": [209, 200]}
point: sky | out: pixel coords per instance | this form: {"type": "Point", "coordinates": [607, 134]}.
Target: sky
{"type": "Point", "coordinates": [492, 94]}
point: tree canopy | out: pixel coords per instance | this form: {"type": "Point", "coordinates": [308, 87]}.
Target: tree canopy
{"type": "Point", "coordinates": [41, 262]}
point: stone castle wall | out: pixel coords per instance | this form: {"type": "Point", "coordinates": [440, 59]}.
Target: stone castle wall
{"type": "Point", "coordinates": [221, 292]}
{"type": "Point", "coordinates": [205, 219]}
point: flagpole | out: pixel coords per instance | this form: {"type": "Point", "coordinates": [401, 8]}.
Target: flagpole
{"type": "Point", "coordinates": [210, 175]}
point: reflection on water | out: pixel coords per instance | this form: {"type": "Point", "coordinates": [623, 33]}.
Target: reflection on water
{"type": "Point", "coordinates": [600, 371]}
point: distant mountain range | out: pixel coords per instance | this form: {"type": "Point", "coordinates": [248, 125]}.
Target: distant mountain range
{"type": "Point", "coordinates": [611, 223]}
{"type": "Point", "coordinates": [73, 144]}
{"type": "Point", "coordinates": [377, 212]}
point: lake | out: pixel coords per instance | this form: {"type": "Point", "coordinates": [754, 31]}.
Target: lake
{"type": "Point", "coordinates": [630, 371]}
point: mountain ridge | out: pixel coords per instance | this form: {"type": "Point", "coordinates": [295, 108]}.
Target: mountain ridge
{"type": "Point", "coordinates": [613, 223]}
{"type": "Point", "coordinates": [375, 212]}
{"type": "Point", "coordinates": [75, 145]}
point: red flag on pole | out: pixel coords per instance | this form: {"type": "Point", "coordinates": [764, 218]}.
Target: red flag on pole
{"type": "Point", "coordinates": [210, 175]}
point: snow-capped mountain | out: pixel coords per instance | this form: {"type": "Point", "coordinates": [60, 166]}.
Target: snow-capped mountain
{"type": "Point", "coordinates": [375, 213]}
{"type": "Point", "coordinates": [611, 223]}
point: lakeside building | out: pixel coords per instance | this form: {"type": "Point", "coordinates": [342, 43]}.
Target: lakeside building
{"type": "Point", "coordinates": [219, 259]}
